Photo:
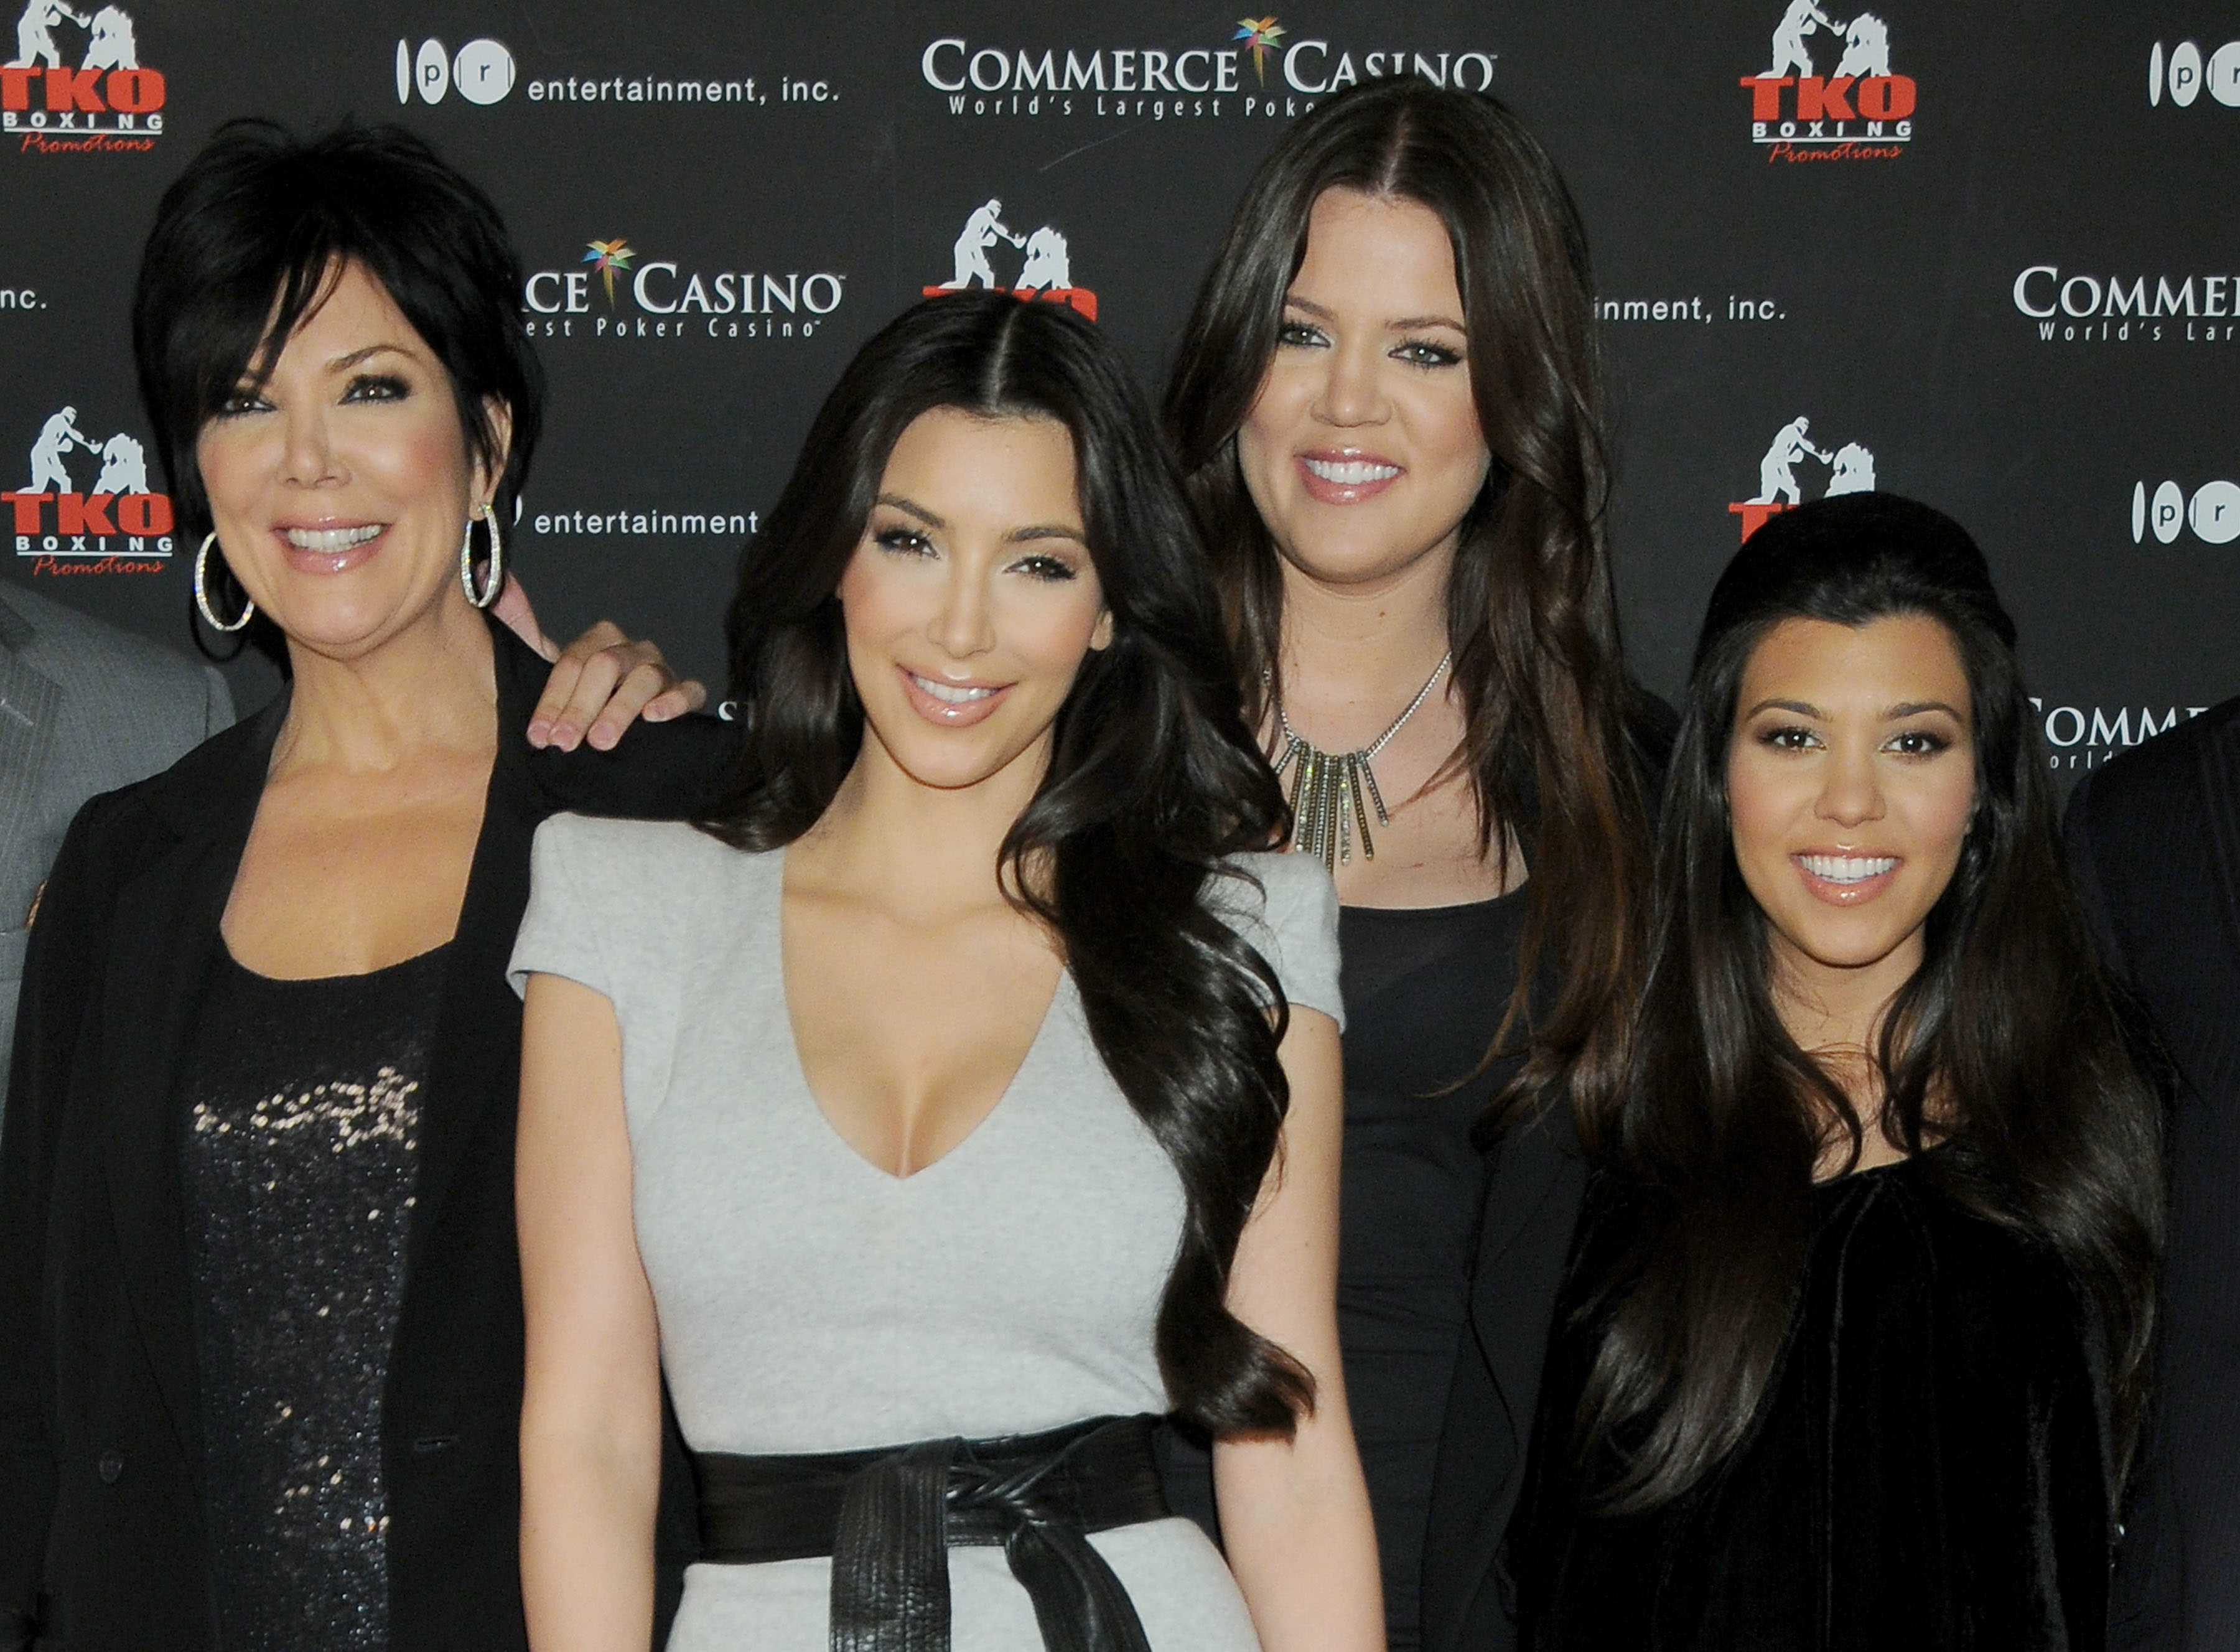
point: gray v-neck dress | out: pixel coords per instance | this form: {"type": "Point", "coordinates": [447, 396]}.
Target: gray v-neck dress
{"type": "Point", "coordinates": [810, 1302]}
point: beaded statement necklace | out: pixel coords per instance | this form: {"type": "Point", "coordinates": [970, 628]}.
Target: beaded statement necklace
{"type": "Point", "coordinates": [1328, 788]}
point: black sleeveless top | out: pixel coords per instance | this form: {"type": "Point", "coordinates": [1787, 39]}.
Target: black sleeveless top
{"type": "Point", "coordinates": [1426, 989]}
{"type": "Point", "coordinates": [298, 1158]}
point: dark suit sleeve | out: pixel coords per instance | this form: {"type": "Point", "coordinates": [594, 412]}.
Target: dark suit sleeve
{"type": "Point", "coordinates": [2084, 870]}
{"type": "Point", "coordinates": [62, 977]}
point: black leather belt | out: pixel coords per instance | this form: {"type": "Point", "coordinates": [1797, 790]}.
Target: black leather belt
{"type": "Point", "coordinates": [888, 1517]}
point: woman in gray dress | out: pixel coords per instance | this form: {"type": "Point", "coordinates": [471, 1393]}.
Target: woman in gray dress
{"type": "Point", "coordinates": [963, 1091]}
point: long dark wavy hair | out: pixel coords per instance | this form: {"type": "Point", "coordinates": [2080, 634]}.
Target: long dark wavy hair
{"type": "Point", "coordinates": [2009, 1050]}
{"type": "Point", "coordinates": [1550, 712]}
{"type": "Point", "coordinates": [1154, 778]}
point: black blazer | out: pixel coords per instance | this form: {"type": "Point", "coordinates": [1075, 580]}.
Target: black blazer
{"type": "Point", "coordinates": [103, 1546]}
{"type": "Point", "coordinates": [2155, 840]}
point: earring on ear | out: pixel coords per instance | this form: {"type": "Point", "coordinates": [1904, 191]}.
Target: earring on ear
{"type": "Point", "coordinates": [496, 581]}
{"type": "Point", "coordinates": [202, 590]}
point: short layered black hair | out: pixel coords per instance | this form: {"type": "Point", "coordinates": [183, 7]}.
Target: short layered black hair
{"type": "Point", "coordinates": [247, 243]}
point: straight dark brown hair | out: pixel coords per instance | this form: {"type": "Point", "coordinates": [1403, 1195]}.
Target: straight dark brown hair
{"type": "Point", "coordinates": [1550, 748]}
{"type": "Point", "coordinates": [2009, 1049]}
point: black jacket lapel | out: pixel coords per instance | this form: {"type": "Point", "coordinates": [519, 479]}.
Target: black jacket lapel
{"type": "Point", "coordinates": [164, 940]}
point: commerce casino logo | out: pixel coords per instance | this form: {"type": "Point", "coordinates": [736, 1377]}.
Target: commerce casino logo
{"type": "Point", "coordinates": [1045, 261]}
{"type": "Point", "coordinates": [1850, 468]}
{"type": "Point", "coordinates": [2084, 736]}
{"type": "Point", "coordinates": [1257, 68]}
{"type": "Point", "coordinates": [2089, 307]}
{"type": "Point", "coordinates": [77, 85]}
{"type": "Point", "coordinates": [614, 291]}
{"type": "Point", "coordinates": [1857, 112]}
{"type": "Point", "coordinates": [110, 523]}
{"type": "Point", "coordinates": [2184, 75]}
{"type": "Point", "coordinates": [2212, 511]}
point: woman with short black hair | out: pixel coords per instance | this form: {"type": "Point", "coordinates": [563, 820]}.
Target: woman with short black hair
{"type": "Point", "coordinates": [1855, 1347]}
{"type": "Point", "coordinates": [260, 1302]}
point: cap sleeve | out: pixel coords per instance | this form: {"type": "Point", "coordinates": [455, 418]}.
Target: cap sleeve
{"type": "Point", "coordinates": [559, 932]}
{"type": "Point", "coordinates": [1292, 920]}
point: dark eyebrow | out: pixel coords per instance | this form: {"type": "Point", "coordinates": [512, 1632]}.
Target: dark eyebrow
{"type": "Point", "coordinates": [1915, 708]}
{"type": "Point", "coordinates": [343, 363]}
{"type": "Point", "coordinates": [1798, 706]}
{"type": "Point", "coordinates": [1405, 324]}
{"type": "Point", "coordinates": [909, 507]}
{"type": "Point", "coordinates": [1047, 530]}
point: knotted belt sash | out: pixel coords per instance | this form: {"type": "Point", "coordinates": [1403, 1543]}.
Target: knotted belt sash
{"type": "Point", "coordinates": [888, 1517]}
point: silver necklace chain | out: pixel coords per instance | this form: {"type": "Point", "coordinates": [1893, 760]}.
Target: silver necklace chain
{"type": "Point", "coordinates": [1333, 792]}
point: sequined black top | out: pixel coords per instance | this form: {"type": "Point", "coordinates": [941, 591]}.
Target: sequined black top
{"type": "Point", "coordinates": [299, 1156]}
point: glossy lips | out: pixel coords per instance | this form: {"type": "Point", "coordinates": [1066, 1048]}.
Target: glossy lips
{"type": "Point", "coordinates": [1347, 477]}
{"type": "Point", "coordinates": [1842, 878]}
{"type": "Point", "coordinates": [330, 549]}
{"type": "Point", "coordinates": [951, 705]}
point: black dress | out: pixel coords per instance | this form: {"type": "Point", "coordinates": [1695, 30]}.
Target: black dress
{"type": "Point", "coordinates": [1424, 990]}
{"type": "Point", "coordinates": [1924, 1471]}
{"type": "Point", "coordinates": [299, 1157]}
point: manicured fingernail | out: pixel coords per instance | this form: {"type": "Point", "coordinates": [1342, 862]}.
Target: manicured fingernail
{"type": "Point", "coordinates": [565, 735]}
{"type": "Point", "coordinates": [540, 732]}
{"type": "Point", "coordinates": [603, 738]}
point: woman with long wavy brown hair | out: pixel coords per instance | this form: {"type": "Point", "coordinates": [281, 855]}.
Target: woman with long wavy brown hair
{"type": "Point", "coordinates": [1388, 402]}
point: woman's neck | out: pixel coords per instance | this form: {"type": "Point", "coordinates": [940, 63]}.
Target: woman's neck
{"type": "Point", "coordinates": [1353, 655]}
{"type": "Point", "coordinates": [433, 687]}
{"type": "Point", "coordinates": [927, 852]}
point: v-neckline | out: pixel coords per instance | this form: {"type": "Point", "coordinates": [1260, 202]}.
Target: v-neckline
{"type": "Point", "coordinates": [1002, 1105]}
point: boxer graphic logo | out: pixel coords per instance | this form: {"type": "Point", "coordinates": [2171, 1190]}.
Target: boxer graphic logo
{"type": "Point", "coordinates": [1859, 112]}
{"type": "Point", "coordinates": [1045, 267]}
{"type": "Point", "coordinates": [117, 525]}
{"type": "Point", "coordinates": [1851, 469]}
{"type": "Point", "coordinates": [107, 103]}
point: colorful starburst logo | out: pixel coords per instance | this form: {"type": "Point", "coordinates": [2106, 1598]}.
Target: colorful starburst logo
{"type": "Point", "coordinates": [607, 256]}
{"type": "Point", "coordinates": [1260, 34]}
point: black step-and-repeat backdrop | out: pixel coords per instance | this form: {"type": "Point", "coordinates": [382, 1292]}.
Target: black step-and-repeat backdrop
{"type": "Point", "coordinates": [1987, 256]}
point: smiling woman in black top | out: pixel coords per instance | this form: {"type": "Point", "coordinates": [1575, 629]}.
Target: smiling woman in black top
{"type": "Point", "coordinates": [260, 1306]}
{"type": "Point", "coordinates": [1855, 1345]}
{"type": "Point", "coordinates": [1388, 401]}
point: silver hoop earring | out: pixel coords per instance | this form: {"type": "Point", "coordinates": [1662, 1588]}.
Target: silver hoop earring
{"type": "Point", "coordinates": [202, 590]}
{"type": "Point", "coordinates": [488, 594]}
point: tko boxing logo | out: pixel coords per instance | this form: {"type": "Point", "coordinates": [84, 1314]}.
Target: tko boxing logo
{"type": "Point", "coordinates": [658, 298]}
{"type": "Point", "coordinates": [1851, 469]}
{"type": "Point", "coordinates": [118, 525]}
{"type": "Point", "coordinates": [1861, 112]}
{"type": "Point", "coordinates": [2185, 77]}
{"type": "Point", "coordinates": [2083, 309]}
{"type": "Point", "coordinates": [1259, 69]}
{"type": "Point", "coordinates": [2213, 513]}
{"type": "Point", "coordinates": [1045, 268]}
{"type": "Point", "coordinates": [482, 72]}
{"type": "Point", "coordinates": [108, 104]}
{"type": "Point", "coordinates": [2082, 736]}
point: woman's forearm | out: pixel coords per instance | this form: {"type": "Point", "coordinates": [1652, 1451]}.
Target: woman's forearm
{"type": "Point", "coordinates": [1295, 1519]}
{"type": "Point", "coordinates": [587, 1521]}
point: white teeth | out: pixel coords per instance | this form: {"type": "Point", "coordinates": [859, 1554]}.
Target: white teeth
{"type": "Point", "coordinates": [330, 539]}
{"type": "Point", "coordinates": [1351, 473]}
{"type": "Point", "coordinates": [948, 693]}
{"type": "Point", "coordinates": [1847, 869]}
